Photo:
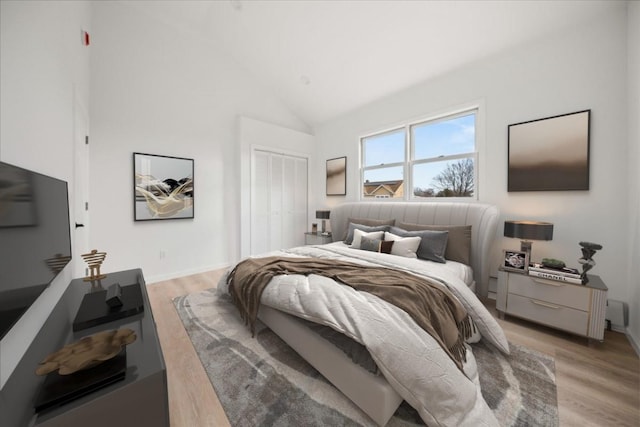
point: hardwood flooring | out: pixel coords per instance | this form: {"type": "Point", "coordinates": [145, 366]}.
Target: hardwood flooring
{"type": "Point", "coordinates": [598, 383]}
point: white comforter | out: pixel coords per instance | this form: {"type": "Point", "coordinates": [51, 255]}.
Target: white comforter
{"type": "Point", "coordinates": [410, 359]}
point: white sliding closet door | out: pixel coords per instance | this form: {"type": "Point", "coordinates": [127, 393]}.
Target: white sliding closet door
{"type": "Point", "coordinates": [278, 201]}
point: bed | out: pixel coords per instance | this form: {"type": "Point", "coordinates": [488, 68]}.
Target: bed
{"type": "Point", "coordinates": [412, 365]}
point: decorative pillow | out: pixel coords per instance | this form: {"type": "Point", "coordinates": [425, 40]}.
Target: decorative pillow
{"type": "Point", "coordinates": [403, 246]}
{"type": "Point", "coordinates": [458, 244]}
{"type": "Point", "coordinates": [376, 245]}
{"type": "Point", "coordinates": [386, 246]}
{"type": "Point", "coordinates": [367, 228]}
{"type": "Point", "coordinates": [433, 244]}
{"type": "Point", "coordinates": [368, 222]}
{"type": "Point", "coordinates": [359, 234]}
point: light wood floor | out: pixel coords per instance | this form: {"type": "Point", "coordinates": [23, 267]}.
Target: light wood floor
{"type": "Point", "coordinates": [598, 383]}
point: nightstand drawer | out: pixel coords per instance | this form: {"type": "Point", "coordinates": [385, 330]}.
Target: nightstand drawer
{"type": "Point", "coordinates": [575, 296]}
{"type": "Point", "coordinates": [317, 239]}
{"type": "Point", "coordinates": [547, 313]}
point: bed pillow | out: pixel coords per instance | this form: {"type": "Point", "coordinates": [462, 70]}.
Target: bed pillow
{"type": "Point", "coordinates": [366, 222]}
{"type": "Point", "coordinates": [458, 243]}
{"type": "Point", "coordinates": [359, 234]}
{"type": "Point", "coordinates": [433, 244]}
{"type": "Point", "coordinates": [376, 245]}
{"type": "Point", "coordinates": [367, 228]}
{"type": "Point", "coordinates": [403, 246]}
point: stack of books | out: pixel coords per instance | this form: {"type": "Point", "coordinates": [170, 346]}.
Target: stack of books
{"type": "Point", "coordinates": [564, 274]}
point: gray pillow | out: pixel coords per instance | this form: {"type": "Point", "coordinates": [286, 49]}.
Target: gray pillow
{"type": "Point", "coordinates": [368, 222]}
{"type": "Point", "coordinates": [367, 229]}
{"type": "Point", "coordinates": [376, 245]}
{"type": "Point", "coordinates": [458, 244]}
{"type": "Point", "coordinates": [433, 244]}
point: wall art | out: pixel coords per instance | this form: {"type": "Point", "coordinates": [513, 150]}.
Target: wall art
{"type": "Point", "coordinates": [163, 187]}
{"type": "Point", "coordinates": [337, 176]}
{"type": "Point", "coordinates": [550, 154]}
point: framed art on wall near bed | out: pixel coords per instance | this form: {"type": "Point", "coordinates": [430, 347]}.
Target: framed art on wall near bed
{"type": "Point", "coordinates": [163, 187]}
{"type": "Point", "coordinates": [550, 154]}
{"type": "Point", "coordinates": [337, 177]}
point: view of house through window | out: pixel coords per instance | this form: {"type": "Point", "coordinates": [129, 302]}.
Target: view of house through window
{"type": "Point", "coordinates": [430, 158]}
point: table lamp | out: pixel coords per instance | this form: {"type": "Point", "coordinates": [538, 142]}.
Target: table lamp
{"type": "Point", "coordinates": [324, 216]}
{"type": "Point", "coordinates": [527, 231]}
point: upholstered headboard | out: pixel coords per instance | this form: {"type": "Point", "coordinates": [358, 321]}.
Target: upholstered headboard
{"type": "Point", "coordinates": [483, 219]}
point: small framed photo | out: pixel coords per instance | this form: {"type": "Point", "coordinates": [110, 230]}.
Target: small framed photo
{"type": "Point", "coordinates": [517, 261]}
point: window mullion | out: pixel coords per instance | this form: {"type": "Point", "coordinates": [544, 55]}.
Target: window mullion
{"type": "Point", "coordinates": [383, 166]}
{"type": "Point", "coordinates": [408, 172]}
{"type": "Point", "coordinates": [443, 158]}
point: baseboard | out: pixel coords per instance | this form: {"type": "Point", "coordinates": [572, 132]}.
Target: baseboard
{"type": "Point", "coordinates": [633, 342]}
{"type": "Point", "coordinates": [162, 277]}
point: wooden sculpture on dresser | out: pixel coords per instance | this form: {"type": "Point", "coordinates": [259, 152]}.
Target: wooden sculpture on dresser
{"type": "Point", "coordinates": [94, 260]}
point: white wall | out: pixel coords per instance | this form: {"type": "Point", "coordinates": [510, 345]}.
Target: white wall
{"type": "Point", "coordinates": [156, 89]}
{"type": "Point", "coordinates": [582, 68]}
{"type": "Point", "coordinates": [633, 47]}
{"type": "Point", "coordinates": [44, 75]}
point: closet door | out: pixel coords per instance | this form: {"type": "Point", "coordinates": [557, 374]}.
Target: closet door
{"type": "Point", "coordinates": [276, 198]}
{"type": "Point", "coordinates": [260, 210]}
{"type": "Point", "coordinates": [279, 201]}
{"type": "Point", "coordinates": [294, 201]}
{"type": "Point", "coordinates": [300, 202]}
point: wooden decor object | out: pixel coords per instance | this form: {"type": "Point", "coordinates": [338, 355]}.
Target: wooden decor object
{"type": "Point", "coordinates": [86, 352]}
{"type": "Point", "coordinates": [94, 259]}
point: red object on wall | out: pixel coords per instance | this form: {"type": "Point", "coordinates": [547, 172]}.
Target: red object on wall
{"type": "Point", "coordinates": [85, 38]}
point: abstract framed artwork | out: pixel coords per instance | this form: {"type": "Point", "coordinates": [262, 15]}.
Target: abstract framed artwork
{"type": "Point", "coordinates": [550, 154]}
{"type": "Point", "coordinates": [163, 187]}
{"type": "Point", "coordinates": [337, 176]}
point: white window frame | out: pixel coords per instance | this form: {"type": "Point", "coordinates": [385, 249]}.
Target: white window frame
{"type": "Point", "coordinates": [409, 162]}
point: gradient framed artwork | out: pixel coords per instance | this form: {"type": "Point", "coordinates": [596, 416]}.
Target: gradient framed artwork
{"type": "Point", "coordinates": [337, 176]}
{"type": "Point", "coordinates": [550, 154]}
{"type": "Point", "coordinates": [163, 187]}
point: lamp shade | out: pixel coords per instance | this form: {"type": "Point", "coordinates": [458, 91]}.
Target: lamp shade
{"type": "Point", "coordinates": [529, 230]}
{"type": "Point", "coordinates": [323, 214]}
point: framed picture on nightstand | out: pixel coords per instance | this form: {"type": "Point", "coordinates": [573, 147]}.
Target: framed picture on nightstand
{"type": "Point", "coordinates": [516, 261]}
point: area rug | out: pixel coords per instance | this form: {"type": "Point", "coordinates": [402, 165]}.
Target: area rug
{"type": "Point", "coordinates": [260, 381]}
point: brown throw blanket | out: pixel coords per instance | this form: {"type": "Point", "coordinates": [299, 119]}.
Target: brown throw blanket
{"type": "Point", "coordinates": [428, 303]}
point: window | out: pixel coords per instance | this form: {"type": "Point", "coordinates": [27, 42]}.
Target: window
{"type": "Point", "coordinates": [429, 158]}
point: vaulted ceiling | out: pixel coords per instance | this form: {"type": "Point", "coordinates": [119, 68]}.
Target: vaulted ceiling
{"type": "Point", "coordinates": [325, 58]}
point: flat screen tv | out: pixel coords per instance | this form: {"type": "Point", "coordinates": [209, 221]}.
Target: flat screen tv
{"type": "Point", "coordinates": [35, 238]}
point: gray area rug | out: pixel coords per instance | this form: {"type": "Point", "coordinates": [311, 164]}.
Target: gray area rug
{"type": "Point", "coordinates": [260, 381]}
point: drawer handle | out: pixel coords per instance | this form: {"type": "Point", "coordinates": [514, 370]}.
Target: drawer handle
{"type": "Point", "coordinates": [548, 283]}
{"type": "Point", "coordinates": [555, 307]}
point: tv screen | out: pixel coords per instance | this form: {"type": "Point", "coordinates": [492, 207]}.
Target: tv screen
{"type": "Point", "coordinates": [35, 238]}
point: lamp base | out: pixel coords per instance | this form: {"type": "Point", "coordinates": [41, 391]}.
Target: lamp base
{"type": "Point", "coordinates": [324, 226]}
{"type": "Point", "coordinates": [525, 246]}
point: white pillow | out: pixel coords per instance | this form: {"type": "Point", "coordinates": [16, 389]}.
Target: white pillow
{"type": "Point", "coordinates": [403, 246]}
{"type": "Point", "coordinates": [358, 234]}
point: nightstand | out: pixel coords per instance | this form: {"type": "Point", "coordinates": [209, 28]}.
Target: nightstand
{"type": "Point", "coordinates": [579, 309]}
{"type": "Point", "coordinates": [317, 238]}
